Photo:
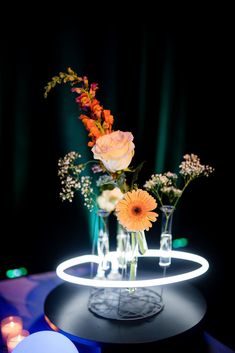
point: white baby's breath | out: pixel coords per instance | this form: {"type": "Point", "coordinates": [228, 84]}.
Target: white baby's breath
{"type": "Point", "coordinates": [165, 186]}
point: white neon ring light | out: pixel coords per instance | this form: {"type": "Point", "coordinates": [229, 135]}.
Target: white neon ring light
{"type": "Point", "coordinates": [60, 271]}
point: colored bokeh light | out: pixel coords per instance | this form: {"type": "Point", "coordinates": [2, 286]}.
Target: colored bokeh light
{"type": "Point", "coordinates": [179, 243]}
{"type": "Point", "coordinates": [16, 272]}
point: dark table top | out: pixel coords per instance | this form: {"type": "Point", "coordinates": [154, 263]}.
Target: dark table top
{"type": "Point", "coordinates": [66, 307]}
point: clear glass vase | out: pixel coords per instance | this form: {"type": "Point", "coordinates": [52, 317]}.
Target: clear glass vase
{"type": "Point", "coordinates": [166, 235]}
{"type": "Point", "coordinates": [132, 256]}
{"type": "Point", "coordinates": [123, 246]}
{"type": "Point", "coordinates": [136, 245]}
{"type": "Point", "coordinates": [103, 241]}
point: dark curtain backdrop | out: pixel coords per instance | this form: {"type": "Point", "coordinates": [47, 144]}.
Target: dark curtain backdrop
{"type": "Point", "coordinates": [165, 81]}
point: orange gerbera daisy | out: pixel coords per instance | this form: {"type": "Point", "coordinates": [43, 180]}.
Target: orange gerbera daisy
{"type": "Point", "coordinates": [134, 211]}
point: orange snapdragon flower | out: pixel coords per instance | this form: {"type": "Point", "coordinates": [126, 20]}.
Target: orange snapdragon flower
{"type": "Point", "coordinates": [84, 100]}
{"type": "Point", "coordinates": [108, 120]}
{"type": "Point", "coordinates": [96, 108]}
{"type": "Point", "coordinates": [91, 126]}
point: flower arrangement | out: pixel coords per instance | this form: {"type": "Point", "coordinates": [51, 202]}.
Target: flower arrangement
{"type": "Point", "coordinates": [111, 184]}
{"type": "Point", "coordinates": [116, 188]}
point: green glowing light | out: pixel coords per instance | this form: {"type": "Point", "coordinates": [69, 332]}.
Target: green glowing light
{"type": "Point", "coordinates": [16, 272]}
{"type": "Point", "coordinates": [23, 271]}
{"type": "Point", "coordinates": [9, 274]}
{"type": "Point", "coordinates": [180, 243]}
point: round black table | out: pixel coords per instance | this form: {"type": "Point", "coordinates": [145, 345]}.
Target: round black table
{"type": "Point", "coordinates": [66, 310]}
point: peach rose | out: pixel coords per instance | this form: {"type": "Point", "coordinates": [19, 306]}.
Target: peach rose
{"type": "Point", "coordinates": [114, 150]}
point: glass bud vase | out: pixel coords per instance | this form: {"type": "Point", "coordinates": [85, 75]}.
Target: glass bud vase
{"type": "Point", "coordinates": [137, 246]}
{"type": "Point", "coordinates": [132, 258]}
{"type": "Point", "coordinates": [103, 241]}
{"type": "Point", "coordinates": [123, 246]}
{"type": "Point", "coordinates": [166, 235]}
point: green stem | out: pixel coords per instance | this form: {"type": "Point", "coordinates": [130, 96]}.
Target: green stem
{"type": "Point", "coordinates": [167, 213]}
{"type": "Point", "coordinates": [156, 193]}
{"type": "Point", "coordinates": [166, 223]}
{"type": "Point", "coordinates": [141, 243]}
{"type": "Point", "coordinates": [133, 261]}
{"type": "Point", "coordinates": [133, 244]}
{"type": "Point", "coordinates": [185, 185]}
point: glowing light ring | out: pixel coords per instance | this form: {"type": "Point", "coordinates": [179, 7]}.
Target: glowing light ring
{"type": "Point", "coordinates": [60, 271]}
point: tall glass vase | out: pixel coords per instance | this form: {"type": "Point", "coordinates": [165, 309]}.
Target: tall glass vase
{"type": "Point", "coordinates": [123, 246]}
{"type": "Point", "coordinates": [132, 256]}
{"type": "Point", "coordinates": [166, 235]}
{"type": "Point", "coordinates": [136, 245]}
{"type": "Point", "coordinates": [103, 241]}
